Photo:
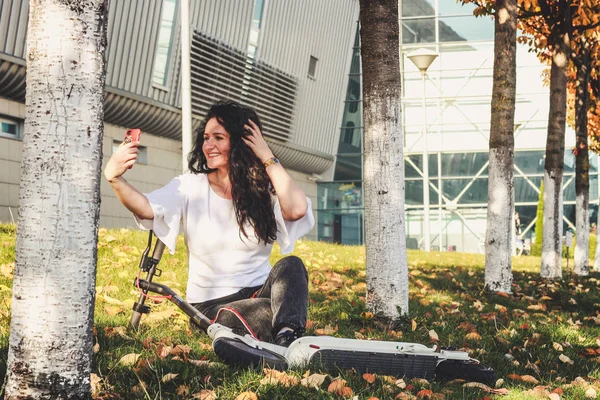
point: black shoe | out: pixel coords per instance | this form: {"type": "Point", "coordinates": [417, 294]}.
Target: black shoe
{"type": "Point", "coordinates": [286, 338]}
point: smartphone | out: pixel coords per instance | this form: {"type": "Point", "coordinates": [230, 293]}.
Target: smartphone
{"type": "Point", "coordinates": [132, 135]}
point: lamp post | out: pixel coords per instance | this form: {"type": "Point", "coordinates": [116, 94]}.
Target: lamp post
{"type": "Point", "coordinates": [422, 59]}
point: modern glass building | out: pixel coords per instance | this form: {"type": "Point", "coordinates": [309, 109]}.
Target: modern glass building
{"type": "Point", "coordinates": [456, 120]}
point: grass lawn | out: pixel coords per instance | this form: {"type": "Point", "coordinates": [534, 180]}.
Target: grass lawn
{"type": "Point", "coordinates": [544, 337]}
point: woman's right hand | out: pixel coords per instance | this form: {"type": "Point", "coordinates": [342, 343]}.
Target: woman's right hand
{"type": "Point", "coordinates": [121, 160]}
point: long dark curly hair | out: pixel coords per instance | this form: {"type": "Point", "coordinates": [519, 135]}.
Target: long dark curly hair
{"type": "Point", "coordinates": [251, 188]}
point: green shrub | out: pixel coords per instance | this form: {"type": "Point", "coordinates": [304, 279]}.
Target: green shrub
{"type": "Point", "coordinates": [536, 247]}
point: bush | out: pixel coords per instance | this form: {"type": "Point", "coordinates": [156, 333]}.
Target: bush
{"type": "Point", "coordinates": [536, 247]}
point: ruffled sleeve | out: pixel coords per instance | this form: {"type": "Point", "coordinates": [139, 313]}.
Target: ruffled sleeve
{"type": "Point", "coordinates": [167, 204]}
{"type": "Point", "coordinates": [290, 231]}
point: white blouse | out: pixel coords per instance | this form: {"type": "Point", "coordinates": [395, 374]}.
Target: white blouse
{"type": "Point", "coordinates": [221, 260]}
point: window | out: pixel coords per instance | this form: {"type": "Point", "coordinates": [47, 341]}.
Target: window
{"type": "Point", "coordinates": [142, 155]}
{"type": "Point", "coordinates": [312, 67]}
{"type": "Point", "coordinates": [163, 45]}
{"type": "Point", "coordinates": [9, 128]}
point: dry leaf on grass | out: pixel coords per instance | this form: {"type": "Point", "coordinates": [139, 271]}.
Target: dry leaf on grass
{"type": "Point", "coordinates": [473, 336]}
{"type": "Point", "coordinates": [314, 380]}
{"type": "Point", "coordinates": [328, 330]}
{"type": "Point", "coordinates": [113, 310]}
{"type": "Point", "coordinates": [183, 390]}
{"type": "Point", "coordinates": [591, 393]}
{"type": "Point", "coordinates": [160, 315]}
{"type": "Point", "coordinates": [211, 395]}
{"type": "Point", "coordinates": [433, 335]}
{"type": "Point", "coordinates": [247, 396]}
{"type": "Point", "coordinates": [273, 377]}
{"type": "Point", "coordinates": [337, 386]}
{"type": "Point", "coordinates": [565, 359]}
{"type": "Point", "coordinates": [370, 378]}
{"type": "Point", "coordinates": [129, 359]}
{"type": "Point", "coordinates": [529, 379]}
{"type": "Point", "coordinates": [169, 377]}
{"type": "Point", "coordinates": [203, 363]}
{"type": "Point", "coordinates": [485, 388]}
{"type": "Point", "coordinates": [96, 383]}
{"type": "Point", "coordinates": [424, 393]}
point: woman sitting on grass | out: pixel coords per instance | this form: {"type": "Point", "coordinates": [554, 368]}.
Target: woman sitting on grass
{"type": "Point", "coordinates": [236, 201]}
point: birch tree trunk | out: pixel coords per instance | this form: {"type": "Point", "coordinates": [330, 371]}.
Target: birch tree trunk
{"type": "Point", "coordinates": [50, 347]}
{"type": "Point", "coordinates": [554, 166]}
{"type": "Point", "coordinates": [499, 238]}
{"type": "Point", "coordinates": [582, 163]}
{"type": "Point", "coordinates": [387, 266]}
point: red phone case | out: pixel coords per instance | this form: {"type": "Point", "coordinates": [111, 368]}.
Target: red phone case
{"type": "Point", "coordinates": [132, 135]}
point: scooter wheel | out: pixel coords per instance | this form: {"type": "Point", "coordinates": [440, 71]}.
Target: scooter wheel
{"type": "Point", "coordinates": [471, 371]}
{"type": "Point", "coordinates": [236, 352]}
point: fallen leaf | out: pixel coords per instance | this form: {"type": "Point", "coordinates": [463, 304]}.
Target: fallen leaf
{"type": "Point", "coordinates": [473, 336]}
{"type": "Point", "coordinates": [202, 363]}
{"type": "Point", "coordinates": [413, 324]}
{"type": "Point", "coordinates": [169, 377]}
{"type": "Point", "coordinates": [328, 330]}
{"type": "Point", "coordinates": [554, 396]}
{"type": "Point", "coordinates": [433, 335]}
{"type": "Point", "coordinates": [591, 393]}
{"type": "Point", "coordinates": [557, 347]}
{"type": "Point", "coordinates": [370, 378]}
{"type": "Point", "coordinates": [336, 386]}
{"type": "Point", "coordinates": [529, 379]}
{"type": "Point", "coordinates": [514, 377]}
{"type": "Point", "coordinates": [160, 315]}
{"type": "Point", "coordinates": [205, 394]}
{"type": "Point", "coordinates": [424, 393]}
{"type": "Point", "coordinates": [96, 383]}
{"type": "Point", "coordinates": [247, 396]}
{"type": "Point", "coordinates": [96, 348]}
{"type": "Point", "coordinates": [113, 310]}
{"type": "Point", "coordinates": [183, 390]}
{"type": "Point", "coordinates": [565, 359]}
{"type": "Point", "coordinates": [273, 377]}
{"type": "Point", "coordinates": [486, 388]}
{"type": "Point", "coordinates": [129, 359]}
{"type": "Point", "coordinates": [314, 380]}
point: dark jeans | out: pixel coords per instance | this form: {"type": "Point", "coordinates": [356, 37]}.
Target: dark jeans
{"type": "Point", "coordinates": [282, 301]}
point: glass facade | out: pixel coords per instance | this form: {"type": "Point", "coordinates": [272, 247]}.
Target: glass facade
{"type": "Point", "coordinates": [163, 46]}
{"type": "Point", "coordinates": [456, 122]}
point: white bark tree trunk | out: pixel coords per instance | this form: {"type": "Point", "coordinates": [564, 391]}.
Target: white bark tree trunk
{"type": "Point", "coordinates": [554, 165]}
{"type": "Point", "coordinates": [499, 235]}
{"type": "Point", "coordinates": [552, 239]}
{"type": "Point", "coordinates": [50, 347]}
{"type": "Point", "coordinates": [387, 266]}
{"type": "Point", "coordinates": [582, 235]}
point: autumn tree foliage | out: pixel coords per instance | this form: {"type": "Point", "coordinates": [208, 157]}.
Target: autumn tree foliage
{"type": "Point", "coordinates": [564, 33]}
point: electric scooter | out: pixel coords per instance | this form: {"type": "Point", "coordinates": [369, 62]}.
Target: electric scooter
{"type": "Point", "coordinates": [401, 359]}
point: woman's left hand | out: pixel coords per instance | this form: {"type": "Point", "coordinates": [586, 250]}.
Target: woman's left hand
{"type": "Point", "coordinates": [257, 142]}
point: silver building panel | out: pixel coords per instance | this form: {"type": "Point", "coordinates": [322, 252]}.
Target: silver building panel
{"type": "Point", "coordinates": [328, 37]}
{"type": "Point", "coordinates": [14, 15]}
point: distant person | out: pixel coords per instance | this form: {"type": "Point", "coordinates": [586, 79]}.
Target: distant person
{"type": "Point", "coordinates": [235, 202]}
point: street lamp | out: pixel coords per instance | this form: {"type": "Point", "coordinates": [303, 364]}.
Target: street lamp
{"type": "Point", "coordinates": [422, 59]}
